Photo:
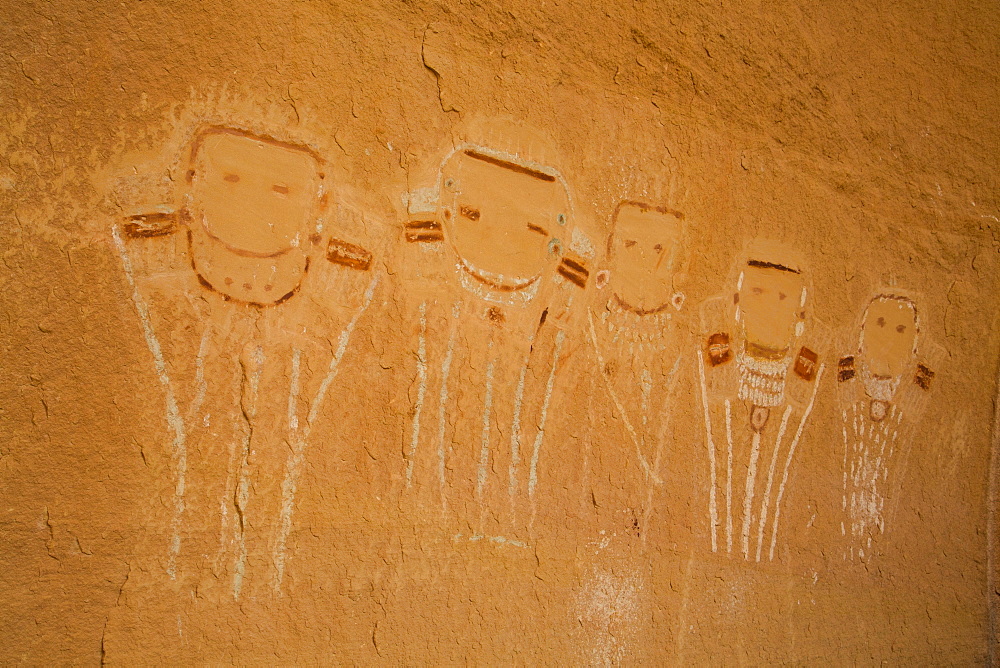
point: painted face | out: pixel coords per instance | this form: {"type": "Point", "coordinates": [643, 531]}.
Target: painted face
{"type": "Point", "coordinates": [505, 221]}
{"type": "Point", "coordinates": [643, 251]}
{"type": "Point", "coordinates": [888, 336]}
{"type": "Point", "coordinates": [769, 302]}
{"type": "Point", "coordinates": [252, 202]}
{"type": "Point", "coordinates": [256, 197]}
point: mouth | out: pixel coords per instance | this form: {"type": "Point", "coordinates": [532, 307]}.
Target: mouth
{"type": "Point", "coordinates": [636, 309]}
{"type": "Point", "coordinates": [241, 251]}
{"type": "Point", "coordinates": [765, 352]}
{"type": "Point", "coordinates": [498, 282]}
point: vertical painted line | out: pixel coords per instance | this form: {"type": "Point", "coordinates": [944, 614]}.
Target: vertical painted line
{"type": "Point", "coordinates": [229, 493]}
{"type": "Point", "coordinates": [788, 461]}
{"type": "Point", "coordinates": [770, 480]}
{"type": "Point", "coordinates": [713, 513]}
{"type": "Point", "coordinates": [881, 442]}
{"type": "Point", "coordinates": [243, 489]}
{"type": "Point", "coordinates": [294, 466]}
{"type": "Point", "coordinates": [846, 440]}
{"type": "Point", "coordinates": [646, 386]}
{"type": "Point", "coordinates": [443, 405]}
{"type": "Point", "coordinates": [484, 447]}
{"type": "Point", "coordinates": [585, 473]}
{"type": "Point", "coordinates": [729, 478]}
{"type": "Point", "coordinates": [293, 391]}
{"type": "Point", "coordinates": [515, 430]}
{"type": "Point", "coordinates": [748, 492]}
{"type": "Point", "coordinates": [345, 337]}
{"type": "Point", "coordinates": [243, 493]}
{"type": "Point", "coordinates": [533, 474]}
{"type": "Point", "coordinates": [843, 502]}
{"type": "Point", "coordinates": [666, 417]}
{"type": "Point", "coordinates": [621, 409]}
{"type": "Point", "coordinates": [199, 373]}
{"type": "Point", "coordinates": [176, 424]}
{"type": "Point", "coordinates": [421, 391]}
{"type": "Point", "coordinates": [291, 463]}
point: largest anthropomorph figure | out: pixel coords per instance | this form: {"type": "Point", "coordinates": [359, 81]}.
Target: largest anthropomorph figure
{"type": "Point", "coordinates": [241, 288]}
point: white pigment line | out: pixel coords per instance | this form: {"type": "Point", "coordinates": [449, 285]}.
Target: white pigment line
{"type": "Point", "coordinates": [249, 409]}
{"type": "Point", "coordinates": [713, 513]}
{"type": "Point", "coordinates": [788, 461]}
{"type": "Point", "coordinates": [766, 501]}
{"type": "Point", "coordinates": [646, 387]}
{"type": "Point", "coordinates": [618, 404]}
{"type": "Point", "coordinates": [515, 429]}
{"type": "Point", "coordinates": [294, 465]}
{"type": "Point", "coordinates": [227, 536]}
{"type": "Point", "coordinates": [502, 540]}
{"type": "Point", "coordinates": [228, 493]}
{"type": "Point", "coordinates": [729, 478]}
{"type": "Point", "coordinates": [243, 495]}
{"type": "Point", "coordinates": [585, 474]}
{"type": "Point", "coordinates": [443, 404]}
{"type": "Point", "coordinates": [499, 540]}
{"type": "Point", "coordinates": [484, 447]}
{"type": "Point", "coordinates": [199, 374]}
{"type": "Point", "coordinates": [345, 337]}
{"type": "Point", "coordinates": [666, 416]}
{"type": "Point", "coordinates": [179, 453]}
{"type": "Point", "coordinates": [881, 451]}
{"type": "Point", "coordinates": [748, 492]}
{"type": "Point", "coordinates": [293, 391]}
{"type": "Point", "coordinates": [533, 471]}
{"type": "Point", "coordinates": [844, 430]}
{"type": "Point", "coordinates": [421, 392]}
{"type": "Point", "coordinates": [287, 489]}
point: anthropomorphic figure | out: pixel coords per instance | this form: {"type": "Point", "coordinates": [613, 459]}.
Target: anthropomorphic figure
{"type": "Point", "coordinates": [636, 354]}
{"type": "Point", "coordinates": [492, 275]}
{"type": "Point", "coordinates": [247, 303]}
{"type": "Point", "coordinates": [758, 386]}
{"type": "Point", "coordinates": [883, 387]}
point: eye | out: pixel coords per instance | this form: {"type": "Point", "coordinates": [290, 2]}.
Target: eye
{"type": "Point", "coordinates": [900, 328]}
{"type": "Point", "coordinates": [781, 296]}
{"type": "Point", "coordinates": [629, 243]}
{"type": "Point", "coordinates": [469, 212]}
{"type": "Point", "coordinates": [280, 189]}
{"type": "Point", "coordinates": [231, 178]}
{"type": "Point", "coordinates": [881, 322]}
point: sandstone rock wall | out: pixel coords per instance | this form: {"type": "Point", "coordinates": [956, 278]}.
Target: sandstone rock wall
{"type": "Point", "coordinates": [536, 332]}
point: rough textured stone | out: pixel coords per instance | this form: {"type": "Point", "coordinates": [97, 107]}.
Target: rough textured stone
{"type": "Point", "coordinates": [376, 377]}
